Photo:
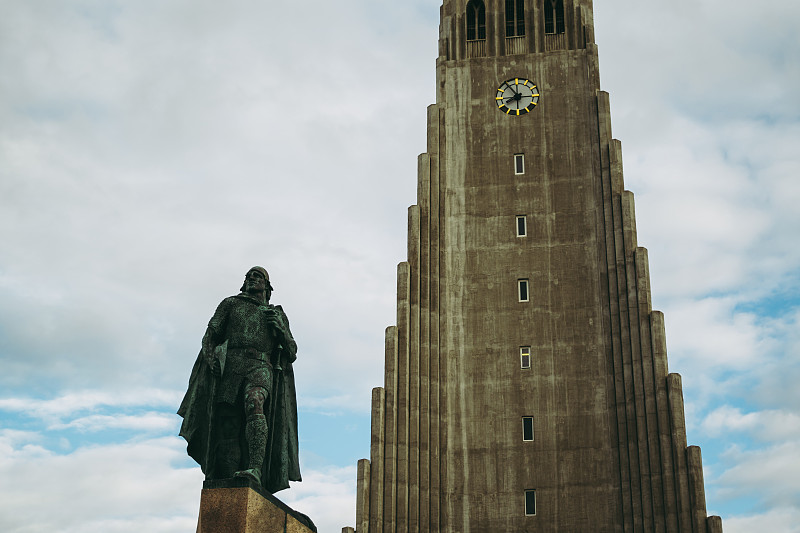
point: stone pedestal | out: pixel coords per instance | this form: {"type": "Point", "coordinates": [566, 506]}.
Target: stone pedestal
{"type": "Point", "coordinates": [238, 505]}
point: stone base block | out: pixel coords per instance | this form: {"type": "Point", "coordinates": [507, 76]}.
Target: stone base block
{"type": "Point", "coordinates": [238, 505]}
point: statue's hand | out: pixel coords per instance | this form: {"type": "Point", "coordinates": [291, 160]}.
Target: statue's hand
{"type": "Point", "coordinates": [214, 364]}
{"type": "Point", "coordinates": [216, 367]}
{"type": "Point", "coordinates": [276, 324]}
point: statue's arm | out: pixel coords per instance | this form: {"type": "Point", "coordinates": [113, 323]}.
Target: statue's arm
{"type": "Point", "coordinates": [289, 345]}
{"type": "Point", "coordinates": [209, 343]}
{"type": "Point", "coordinates": [214, 335]}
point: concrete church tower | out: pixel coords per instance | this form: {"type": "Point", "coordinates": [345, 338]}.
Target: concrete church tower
{"type": "Point", "coordinates": [526, 385]}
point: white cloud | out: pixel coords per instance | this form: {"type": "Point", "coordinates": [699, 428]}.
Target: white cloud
{"type": "Point", "coordinates": [146, 423]}
{"type": "Point", "coordinates": [769, 476]}
{"type": "Point", "coordinates": [780, 519]}
{"type": "Point", "coordinates": [70, 404]}
{"type": "Point", "coordinates": [134, 487]}
{"type": "Point", "coordinates": [326, 496]}
{"type": "Point", "coordinates": [15, 442]}
{"type": "Point", "coordinates": [726, 354]}
{"type": "Point", "coordinates": [770, 425]}
{"type": "Point", "coordinates": [334, 404]}
{"type": "Point", "coordinates": [151, 524]}
{"type": "Point", "coordinates": [131, 483]}
{"type": "Point", "coordinates": [712, 334]}
{"type": "Point", "coordinates": [195, 163]}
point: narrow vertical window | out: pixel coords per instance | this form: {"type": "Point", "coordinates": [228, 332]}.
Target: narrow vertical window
{"type": "Point", "coordinates": [527, 428]}
{"type": "Point", "coordinates": [522, 226]}
{"type": "Point", "coordinates": [530, 502]}
{"type": "Point", "coordinates": [519, 164]}
{"type": "Point", "coordinates": [553, 16]}
{"type": "Point", "coordinates": [515, 18]}
{"type": "Point", "coordinates": [476, 20]}
{"type": "Point", "coordinates": [525, 356]}
{"type": "Point", "coordinates": [523, 289]}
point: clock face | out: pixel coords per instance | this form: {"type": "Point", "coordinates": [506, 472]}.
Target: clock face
{"type": "Point", "coordinates": [517, 96]}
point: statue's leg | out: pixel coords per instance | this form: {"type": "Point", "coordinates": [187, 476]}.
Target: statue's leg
{"type": "Point", "coordinates": [255, 431]}
{"type": "Point", "coordinates": [228, 453]}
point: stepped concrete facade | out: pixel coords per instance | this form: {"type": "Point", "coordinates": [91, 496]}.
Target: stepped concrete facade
{"type": "Point", "coordinates": [526, 382]}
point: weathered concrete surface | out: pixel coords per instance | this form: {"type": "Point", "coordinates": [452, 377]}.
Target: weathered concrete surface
{"type": "Point", "coordinates": [610, 451]}
{"type": "Point", "coordinates": [240, 506]}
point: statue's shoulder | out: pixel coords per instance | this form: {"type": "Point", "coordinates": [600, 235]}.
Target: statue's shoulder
{"type": "Point", "coordinates": [222, 312]}
{"type": "Point", "coordinates": [239, 299]}
{"type": "Point", "coordinates": [227, 302]}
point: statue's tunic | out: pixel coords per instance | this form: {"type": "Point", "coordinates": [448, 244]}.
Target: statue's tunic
{"type": "Point", "coordinates": [254, 358]}
{"type": "Point", "coordinates": [242, 321]}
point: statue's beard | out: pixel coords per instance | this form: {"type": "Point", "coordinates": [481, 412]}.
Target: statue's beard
{"type": "Point", "coordinates": [255, 292]}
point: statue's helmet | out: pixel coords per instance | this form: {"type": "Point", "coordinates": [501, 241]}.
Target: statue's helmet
{"type": "Point", "coordinates": [263, 272]}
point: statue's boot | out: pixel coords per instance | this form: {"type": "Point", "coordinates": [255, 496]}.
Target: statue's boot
{"type": "Point", "coordinates": [256, 434]}
{"type": "Point", "coordinates": [228, 456]}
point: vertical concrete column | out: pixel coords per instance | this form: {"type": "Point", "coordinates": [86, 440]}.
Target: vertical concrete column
{"type": "Point", "coordinates": [434, 374]}
{"type": "Point", "coordinates": [642, 265]}
{"type": "Point", "coordinates": [458, 31]}
{"type": "Point", "coordinates": [390, 429]}
{"type": "Point", "coordinates": [659, 333]}
{"type": "Point", "coordinates": [678, 426]}
{"type": "Point", "coordinates": [638, 359]}
{"type": "Point", "coordinates": [440, 290]}
{"type": "Point", "coordinates": [413, 454]}
{"type": "Point", "coordinates": [620, 409]}
{"type": "Point", "coordinates": [495, 31]}
{"type": "Point", "coordinates": [531, 30]}
{"type": "Point", "coordinates": [593, 65]}
{"type": "Point", "coordinates": [587, 20]}
{"type": "Point", "coordinates": [628, 209]}
{"type": "Point", "coordinates": [660, 371]}
{"type": "Point", "coordinates": [604, 125]}
{"type": "Point", "coordinates": [697, 489]}
{"type": "Point", "coordinates": [424, 202]}
{"type": "Point", "coordinates": [377, 471]}
{"type": "Point", "coordinates": [620, 313]}
{"type": "Point", "coordinates": [433, 134]}
{"type": "Point", "coordinates": [362, 496]}
{"type": "Point", "coordinates": [403, 311]}
{"type": "Point", "coordinates": [714, 524]}
{"type": "Point", "coordinates": [663, 480]}
{"type": "Point", "coordinates": [570, 24]}
{"type": "Point", "coordinates": [642, 261]}
{"type": "Point", "coordinates": [615, 161]}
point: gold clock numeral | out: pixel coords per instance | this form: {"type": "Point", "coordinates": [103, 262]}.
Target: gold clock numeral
{"type": "Point", "coordinates": [510, 93]}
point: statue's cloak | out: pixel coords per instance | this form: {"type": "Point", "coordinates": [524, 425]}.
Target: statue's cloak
{"type": "Point", "coordinates": [281, 462]}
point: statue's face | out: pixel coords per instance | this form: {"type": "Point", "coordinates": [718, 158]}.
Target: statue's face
{"type": "Point", "coordinates": [255, 282]}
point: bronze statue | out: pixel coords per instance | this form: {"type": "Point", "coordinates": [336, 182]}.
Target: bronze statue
{"type": "Point", "coordinates": [240, 411]}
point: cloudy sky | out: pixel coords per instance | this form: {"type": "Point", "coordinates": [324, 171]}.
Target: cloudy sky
{"type": "Point", "coordinates": [151, 151]}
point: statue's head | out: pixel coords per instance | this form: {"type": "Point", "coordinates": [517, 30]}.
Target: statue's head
{"type": "Point", "coordinates": [257, 280]}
